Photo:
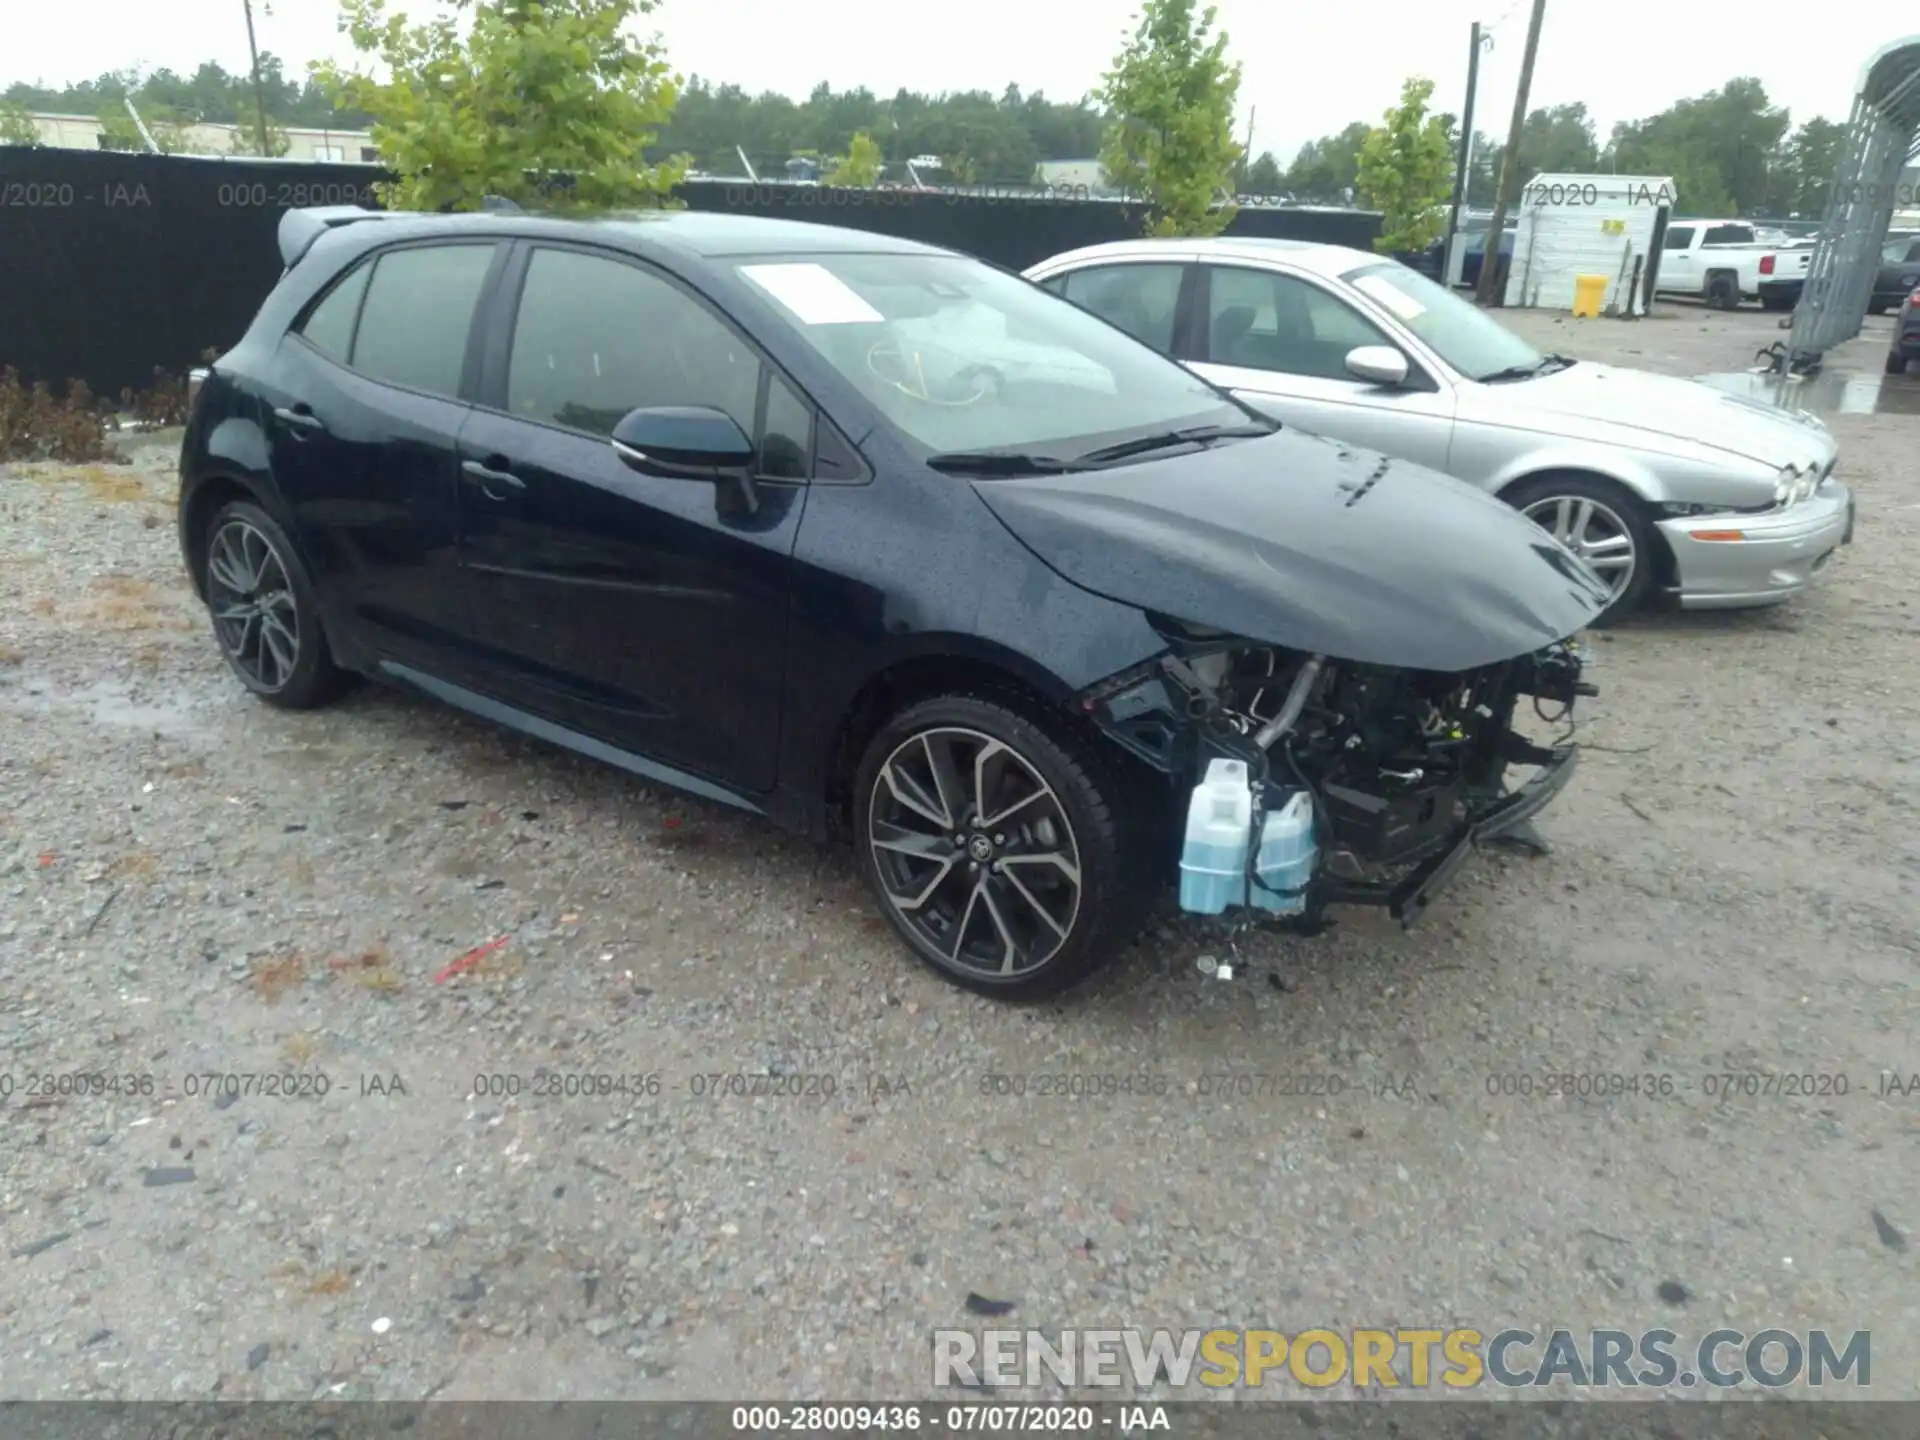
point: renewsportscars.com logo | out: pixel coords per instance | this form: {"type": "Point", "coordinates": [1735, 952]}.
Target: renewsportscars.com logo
{"type": "Point", "coordinates": [1406, 1358]}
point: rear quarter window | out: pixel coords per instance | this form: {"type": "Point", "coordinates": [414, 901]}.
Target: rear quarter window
{"type": "Point", "coordinates": [329, 324]}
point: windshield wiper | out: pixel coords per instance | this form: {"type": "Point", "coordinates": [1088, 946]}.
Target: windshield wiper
{"type": "Point", "coordinates": [1545, 365]}
{"type": "Point", "coordinates": [1000, 462]}
{"type": "Point", "coordinates": [1193, 435]}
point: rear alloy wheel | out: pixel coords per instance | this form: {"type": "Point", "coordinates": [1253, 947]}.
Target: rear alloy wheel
{"type": "Point", "coordinates": [1603, 526]}
{"type": "Point", "coordinates": [1723, 292]}
{"type": "Point", "coordinates": [994, 846]}
{"type": "Point", "coordinates": [263, 610]}
{"type": "Point", "coordinates": [1878, 307]}
{"type": "Point", "coordinates": [1896, 362]}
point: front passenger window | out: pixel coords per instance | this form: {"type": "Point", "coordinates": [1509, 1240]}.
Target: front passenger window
{"type": "Point", "coordinates": [786, 439]}
{"type": "Point", "coordinates": [596, 338]}
{"type": "Point", "coordinates": [1262, 320]}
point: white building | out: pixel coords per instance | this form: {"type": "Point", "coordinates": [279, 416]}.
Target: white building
{"type": "Point", "coordinates": [85, 132]}
{"type": "Point", "coordinates": [1573, 225]}
{"type": "Point", "coordinates": [1082, 176]}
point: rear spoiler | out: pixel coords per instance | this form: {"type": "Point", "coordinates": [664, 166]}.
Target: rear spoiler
{"type": "Point", "coordinates": [300, 228]}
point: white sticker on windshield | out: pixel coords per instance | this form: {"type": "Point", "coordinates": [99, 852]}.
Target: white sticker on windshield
{"type": "Point", "coordinates": [813, 293]}
{"type": "Point", "coordinates": [1391, 296]}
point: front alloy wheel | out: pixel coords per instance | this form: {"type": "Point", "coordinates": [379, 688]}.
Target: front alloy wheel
{"type": "Point", "coordinates": [993, 845]}
{"type": "Point", "coordinates": [1603, 527]}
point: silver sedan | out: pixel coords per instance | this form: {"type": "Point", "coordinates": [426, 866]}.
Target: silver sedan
{"type": "Point", "coordinates": [1662, 485]}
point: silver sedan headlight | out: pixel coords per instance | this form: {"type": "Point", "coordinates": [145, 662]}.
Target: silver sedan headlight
{"type": "Point", "coordinates": [1795, 484]}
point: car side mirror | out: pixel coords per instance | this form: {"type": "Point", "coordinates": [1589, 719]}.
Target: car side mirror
{"type": "Point", "coordinates": [1377, 365]}
{"type": "Point", "coordinates": [683, 442]}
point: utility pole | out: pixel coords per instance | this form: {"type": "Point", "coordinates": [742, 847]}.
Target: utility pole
{"type": "Point", "coordinates": [1466, 153]}
{"type": "Point", "coordinates": [259, 95]}
{"type": "Point", "coordinates": [1510, 162]}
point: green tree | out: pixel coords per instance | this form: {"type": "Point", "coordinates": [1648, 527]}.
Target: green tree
{"type": "Point", "coordinates": [1171, 92]}
{"type": "Point", "coordinates": [1406, 171]}
{"type": "Point", "coordinates": [15, 127]}
{"type": "Point", "coordinates": [1800, 180]}
{"type": "Point", "coordinates": [541, 101]}
{"type": "Point", "coordinates": [1326, 169]}
{"type": "Point", "coordinates": [862, 164]}
{"type": "Point", "coordinates": [1718, 147]}
{"type": "Point", "coordinates": [1264, 177]}
{"type": "Point", "coordinates": [1558, 140]}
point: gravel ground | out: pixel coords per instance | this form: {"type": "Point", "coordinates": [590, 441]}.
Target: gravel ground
{"type": "Point", "coordinates": [194, 884]}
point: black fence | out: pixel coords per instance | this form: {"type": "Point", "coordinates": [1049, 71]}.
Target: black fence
{"type": "Point", "coordinates": [113, 265]}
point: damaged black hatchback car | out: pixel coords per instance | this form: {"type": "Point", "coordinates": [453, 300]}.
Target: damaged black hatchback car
{"type": "Point", "coordinates": [875, 539]}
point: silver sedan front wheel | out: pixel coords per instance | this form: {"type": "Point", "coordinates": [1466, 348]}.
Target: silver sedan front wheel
{"type": "Point", "coordinates": [1602, 524]}
{"type": "Point", "coordinates": [1594, 532]}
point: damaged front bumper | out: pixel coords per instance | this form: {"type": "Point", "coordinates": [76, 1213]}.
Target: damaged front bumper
{"type": "Point", "coordinates": [1388, 828]}
{"type": "Point", "coordinates": [1407, 898]}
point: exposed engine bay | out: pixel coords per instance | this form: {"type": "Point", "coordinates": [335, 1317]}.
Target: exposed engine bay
{"type": "Point", "coordinates": [1405, 769]}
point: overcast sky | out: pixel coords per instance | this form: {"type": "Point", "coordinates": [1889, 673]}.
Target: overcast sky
{"type": "Point", "coordinates": [1307, 68]}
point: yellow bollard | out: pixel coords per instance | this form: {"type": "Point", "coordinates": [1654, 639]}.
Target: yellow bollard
{"type": "Point", "coordinates": [1589, 293]}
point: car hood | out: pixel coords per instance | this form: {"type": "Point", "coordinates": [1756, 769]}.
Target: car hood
{"type": "Point", "coordinates": [1302, 542]}
{"type": "Point", "coordinates": [1664, 408]}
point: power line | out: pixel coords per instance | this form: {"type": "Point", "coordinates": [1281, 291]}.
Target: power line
{"type": "Point", "coordinates": [1486, 31]}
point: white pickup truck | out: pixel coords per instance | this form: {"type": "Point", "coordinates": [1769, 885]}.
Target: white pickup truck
{"type": "Point", "coordinates": [1713, 260]}
{"type": "Point", "coordinates": [1783, 274]}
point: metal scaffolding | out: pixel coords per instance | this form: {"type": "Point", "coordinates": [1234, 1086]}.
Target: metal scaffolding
{"type": "Point", "coordinates": [1879, 144]}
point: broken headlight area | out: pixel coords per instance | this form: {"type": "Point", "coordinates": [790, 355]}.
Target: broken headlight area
{"type": "Point", "coordinates": [1303, 781]}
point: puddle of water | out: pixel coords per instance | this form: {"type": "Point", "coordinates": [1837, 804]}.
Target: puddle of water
{"type": "Point", "coordinates": [1831, 392]}
{"type": "Point", "coordinates": [113, 707]}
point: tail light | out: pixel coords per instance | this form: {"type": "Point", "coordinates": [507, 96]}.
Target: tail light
{"type": "Point", "coordinates": [1914, 298]}
{"type": "Point", "coordinates": [1766, 264]}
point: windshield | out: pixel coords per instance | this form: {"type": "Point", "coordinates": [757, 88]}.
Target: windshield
{"type": "Point", "coordinates": [962, 357]}
{"type": "Point", "coordinates": [1459, 332]}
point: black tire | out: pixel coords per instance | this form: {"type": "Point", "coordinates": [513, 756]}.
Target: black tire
{"type": "Point", "coordinates": [998, 883]}
{"type": "Point", "coordinates": [1723, 291]}
{"type": "Point", "coordinates": [1896, 363]}
{"type": "Point", "coordinates": [275, 645]}
{"type": "Point", "coordinates": [1775, 302]}
{"type": "Point", "coordinates": [1615, 508]}
{"type": "Point", "coordinates": [1877, 307]}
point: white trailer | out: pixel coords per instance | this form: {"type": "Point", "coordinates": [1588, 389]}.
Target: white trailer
{"type": "Point", "coordinates": [1572, 225]}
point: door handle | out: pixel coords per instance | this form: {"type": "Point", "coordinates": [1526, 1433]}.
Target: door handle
{"type": "Point", "coordinates": [495, 483]}
{"type": "Point", "coordinates": [300, 417]}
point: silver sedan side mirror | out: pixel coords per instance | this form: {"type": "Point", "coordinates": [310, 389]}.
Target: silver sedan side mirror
{"type": "Point", "coordinates": [1377, 365]}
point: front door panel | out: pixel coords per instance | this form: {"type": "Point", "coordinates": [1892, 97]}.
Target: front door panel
{"type": "Point", "coordinates": [650, 613]}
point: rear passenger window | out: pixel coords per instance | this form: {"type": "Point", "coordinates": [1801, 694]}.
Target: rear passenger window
{"type": "Point", "coordinates": [1679, 237]}
{"type": "Point", "coordinates": [418, 312]}
{"type": "Point", "coordinates": [329, 327]}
